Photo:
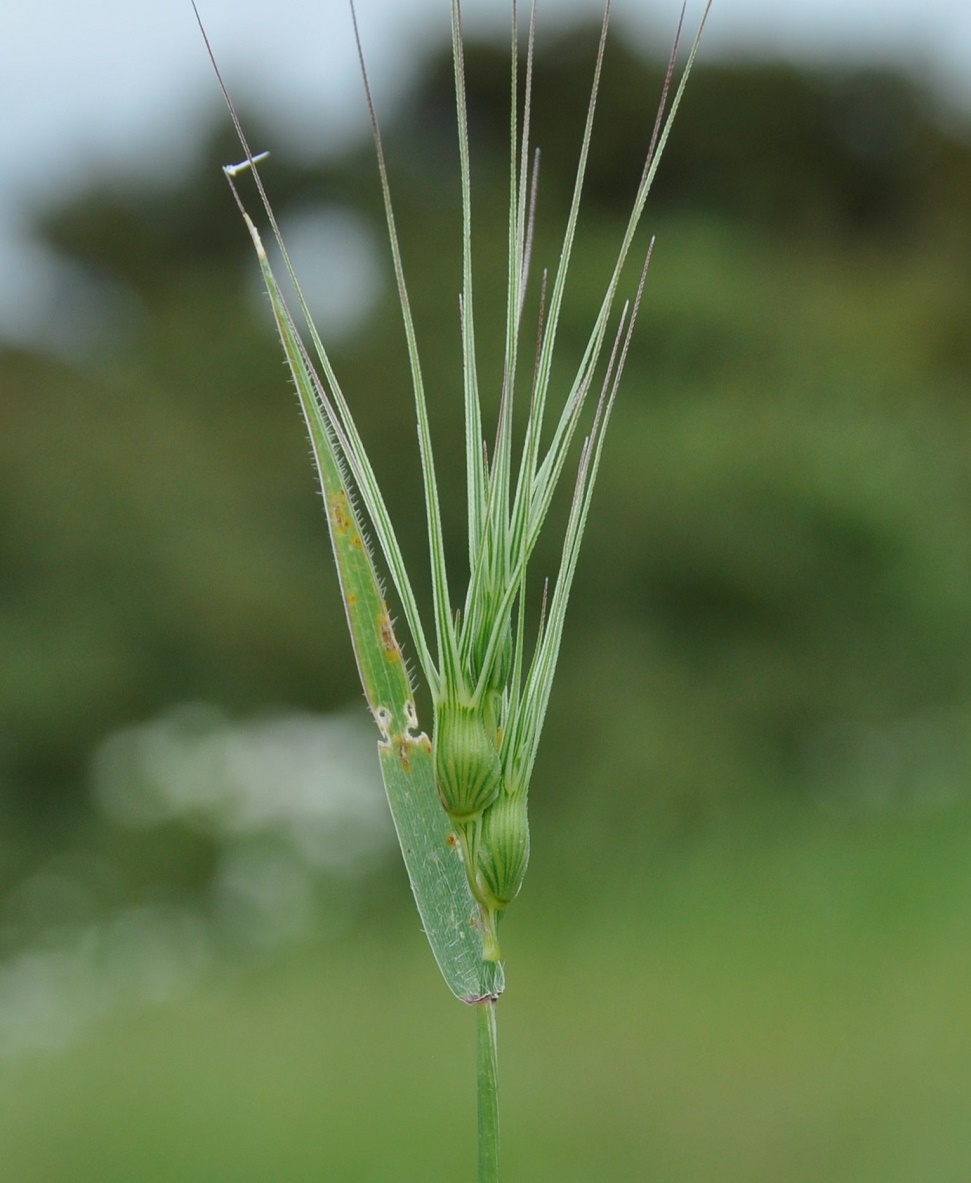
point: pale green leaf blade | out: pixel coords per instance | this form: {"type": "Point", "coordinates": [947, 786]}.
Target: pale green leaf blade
{"type": "Point", "coordinates": [438, 879]}
{"type": "Point", "coordinates": [431, 854]}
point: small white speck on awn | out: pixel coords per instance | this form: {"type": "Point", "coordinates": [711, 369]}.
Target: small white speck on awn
{"type": "Point", "coordinates": [233, 170]}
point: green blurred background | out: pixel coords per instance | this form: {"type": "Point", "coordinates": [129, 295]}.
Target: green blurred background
{"type": "Point", "coordinates": [744, 947]}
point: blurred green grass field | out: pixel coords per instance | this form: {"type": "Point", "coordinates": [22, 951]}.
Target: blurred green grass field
{"type": "Point", "coordinates": [782, 1000]}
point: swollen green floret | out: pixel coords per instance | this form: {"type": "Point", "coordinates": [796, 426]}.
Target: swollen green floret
{"type": "Point", "coordinates": [468, 775]}
{"type": "Point", "coordinates": [504, 848]}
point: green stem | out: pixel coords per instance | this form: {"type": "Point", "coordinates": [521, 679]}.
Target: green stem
{"type": "Point", "coordinates": [488, 1089]}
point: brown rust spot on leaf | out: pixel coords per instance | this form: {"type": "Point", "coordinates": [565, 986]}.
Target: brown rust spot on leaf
{"type": "Point", "coordinates": [340, 512]}
{"type": "Point", "coordinates": [406, 744]}
{"type": "Point", "coordinates": [392, 650]}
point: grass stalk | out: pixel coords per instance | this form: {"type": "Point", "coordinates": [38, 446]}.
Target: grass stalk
{"type": "Point", "coordinates": [487, 1078]}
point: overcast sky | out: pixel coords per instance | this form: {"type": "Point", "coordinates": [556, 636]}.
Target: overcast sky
{"type": "Point", "coordinates": [121, 81]}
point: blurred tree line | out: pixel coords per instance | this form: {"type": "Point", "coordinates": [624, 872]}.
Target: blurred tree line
{"type": "Point", "coordinates": [775, 596]}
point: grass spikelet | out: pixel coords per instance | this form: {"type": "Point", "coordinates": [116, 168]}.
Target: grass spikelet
{"type": "Point", "coordinates": [459, 798]}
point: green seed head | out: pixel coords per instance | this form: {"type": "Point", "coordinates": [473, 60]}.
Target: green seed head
{"type": "Point", "coordinates": [504, 847]}
{"type": "Point", "coordinates": [468, 775]}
